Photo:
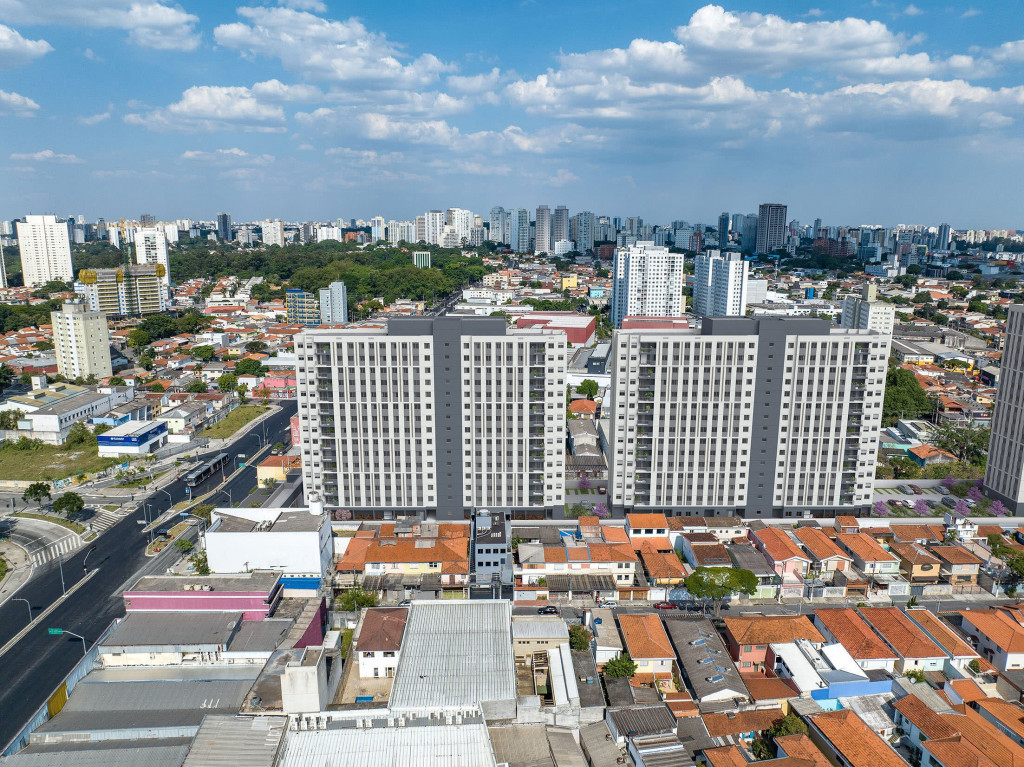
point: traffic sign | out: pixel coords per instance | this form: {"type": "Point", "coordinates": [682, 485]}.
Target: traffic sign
{"type": "Point", "coordinates": [55, 632]}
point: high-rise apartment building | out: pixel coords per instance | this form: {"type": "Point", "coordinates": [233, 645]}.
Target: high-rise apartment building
{"type": "Point", "coordinates": [376, 228]}
{"type": "Point", "coordinates": [647, 280]}
{"type": "Point", "coordinates": [80, 340]}
{"type": "Point", "coordinates": [866, 312]}
{"type": "Point", "coordinates": [768, 417]}
{"type": "Point", "coordinates": [584, 228]}
{"type": "Point", "coordinates": [433, 416]}
{"type": "Point", "coordinates": [771, 227]}
{"type": "Point", "coordinates": [498, 225]}
{"type": "Point", "coordinates": [224, 227]}
{"type": "Point", "coordinates": [434, 222]}
{"type": "Point", "coordinates": [421, 259]}
{"type": "Point", "coordinates": [334, 304]}
{"type": "Point", "coordinates": [3, 267]}
{"type": "Point", "coordinates": [45, 250]}
{"type": "Point", "coordinates": [273, 232]}
{"type": "Point", "coordinates": [542, 230]}
{"type": "Point", "coordinates": [1004, 472]}
{"type": "Point", "coordinates": [720, 284]}
{"type": "Point", "coordinates": [151, 248]}
{"type": "Point", "coordinates": [560, 225]}
{"type": "Point", "coordinates": [134, 291]}
{"type": "Point", "coordinates": [301, 307]}
{"type": "Point", "coordinates": [943, 239]}
{"type": "Point", "coordinates": [519, 230]}
{"type": "Point", "coordinates": [461, 220]}
{"type": "Point", "coordinates": [420, 226]}
{"type": "Point", "coordinates": [328, 233]}
{"type": "Point", "coordinates": [723, 230]}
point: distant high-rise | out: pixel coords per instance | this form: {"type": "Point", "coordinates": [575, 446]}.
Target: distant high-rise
{"type": "Point", "coordinates": [376, 228]}
{"type": "Point", "coordinates": [497, 231]}
{"type": "Point", "coordinates": [723, 230]}
{"type": "Point", "coordinates": [147, 219]}
{"type": "Point", "coordinates": [421, 259]}
{"type": "Point", "coordinates": [434, 220]}
{"type": "Point", "coordinates": [815, 234]}
{"type": "Point", "coordinates": [867, 312]}
{"type": "Point", "coordinates": [720, 284]}
{"type": "Point", "coordinates": [3, 268]}
{"type": "Point", "coordinates": [771, 227]}
{"type": "Point", "coordinates": [943, 240]}
{"type": "Point", "coordinates": [420, 228]}
{"type": "Point", "coordinates": [132, 291]}
{"type": "Point", "coordinates": [748, 233]}
{"type": "Point", "coordinates": [80, 340]}
{"type": "Point", "coordinates": [542, 230]}
{"type": "Point", "coordinates": [45, 250]}
{"type": "Point", "coordinates": [647, 280]}
{"type": "Point", "coordinates": [461, 220]}
{"type": "Point", "coordinates": [1004, 472]}
{"type": "Point", "coordinates": [584, 227]}
{"type": "Point", "coordinates": [301, 307]}
{"type": "Point", "coordinates": [151, 248]}
{"type": "Point", "coordinates": [334, 304]}
{"type": "Point", "coordinates": [560, 225]}
{"type": "Point", "coordinates": [519, 230]}
{"type": "Point", "coordinates": [224, 226]}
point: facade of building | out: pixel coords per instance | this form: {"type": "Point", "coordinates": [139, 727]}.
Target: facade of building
{"type": "Point", "coordinates": [421, 259]}
{"type": "Point", "coordinates": [301, 307]}
{"type": "Point", "coordinates": [498, 225]}
{"type": "Point", "coordinates": [151, 248]}
{"type": "Point", "coordinates": [866, 312]}
{"type": "Point", "coordinates": [542, 230]}
{"type": "Point", "coordinates": [519, 230]}
{"type": "Point", "coordinates": [45, 250]}
{"type": "Point", "coordinates": [224, 226]}
{"type": "Point", "coordinates": [720, 284]}
{"type": "Point", "coordinates": [434, 415]}
{"type": "Point", "coordinates": [273, 232]}
{"type": "Point", "coordinates": [584, 229]}
{"type": "Point", "coordinates": [81, 342]}
{"type": "Point", "coordinates": [647, 281]}
{"type": "Point", "coordinates": [136, 290]}
{"type": "Point", "coordinates": [771, 227]}
{"type": "Point", "coordinates": [1004, 473]}
{"type": "Point", "coordinates": [768, 417]}
{"type": "Point", "coordinates": [334, 304]}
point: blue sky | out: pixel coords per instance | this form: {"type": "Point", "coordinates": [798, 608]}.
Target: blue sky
{"type": "Point", "coordinates": [857, 112]}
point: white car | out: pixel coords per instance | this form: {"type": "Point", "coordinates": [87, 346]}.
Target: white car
{"type": "Point", "coordinates": [609, 603]}
{"type": "Point", "coordinates": [908, 503]}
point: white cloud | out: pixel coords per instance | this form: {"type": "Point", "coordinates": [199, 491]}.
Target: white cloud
{"type": "Point", "coordinates": [232, 156]}
{"type": "Point", "coordinates": [215, 107]}
{"type": "Point", "coordinates": [94, 119]}
{"type": "Point", "coordinates": [323, 49]}
{"type": "Point", "coordinates": [17, 105]}
{"type": "Point", "coordinates": [17, 51]}
{"type": "Point", "coordinates": [304, 5]}
{"type": "Point", "coordinates": [970, 12]}
{"type": "Point", "coordinates": [152, 24]}
{"type": "Point", "coordinates": [912, 10]}
{"type": "Point", "coordinates": [46, 155]}
{"type": "Point", "coordinates": [562, 177]}
{"type": "Point", "coordinates": [276, 91]}
{"type": "Point", "coordinates": [814, 12]}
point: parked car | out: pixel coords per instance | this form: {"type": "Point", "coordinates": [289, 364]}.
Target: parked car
{"type": "Point", "coordinates": [949, 501]}
{"type": "Point", "coordinates": [602, 490]}
{"type": "Point", "coordinates": [905, 489]}
{"type": "Point", "coordinates": [932, 503]}
{"type": "Point", "coordinates": [970, 502]}
{"type": "Point", "coordinates": [908, 503]}
{"type": "Point", "coordinates": [609, 603]}
{"type": "Point", "coordinates": [894, 502]}
{"type": "Point", "coordinates": [663, 606]}
{"type": "Point", "coordinates": [405, 603]}
{"type": "Point", "coordinates": [547, 610]}
{"type": "Point", "coordinates": [917, 489]}
{"type": "Point", "coordinates": [942, 490]}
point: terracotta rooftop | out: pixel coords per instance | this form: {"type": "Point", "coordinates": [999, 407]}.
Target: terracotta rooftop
{"type": "Point", "coordinates": [723, 725]}
{"type": "Point", "coordinates": [767, 687]}
{"type": "Point", "coordinates": [933, 725]}
{"type": "Point", "coordinates": [583, 407]}
{"type": "Point", "coordinates": [998, 626]}
{"type": "Point", "coordinates": [967, 689]}
{"type": "Point", "coordinates": [1011, 715]}
{"type": "Point", "coordinates": [910, 533]}
{"type": "Point", "coordinates": [864, 547]}
{"type": "Point", "coordinates": [854, 740]}
{"type": "Point", "coordinates": [662, 564]}
{"type": "Point", "coordinates": [799, 746]}
{"type": "Point", "coordinates": [901, 633]}
{"type": "Point", "coordinates": [401, 550]}
{"type": "Point", "coordinates": [765, 629]}
{"type": "Point", "coordinates": [778, 545]}
{"type": "Point", "coordinates": [851, 631]}
{"type": "Point", "coordinates": [646, 521]}
{"type": "Point", "coordinates": [819, 545]}
{"type": "Point", "coordinates": [726, 756]}
{"type": "Point", "coordinates": [913, 553]}
{"type": "Point", "coordinates": [943, 635]}
{"type": "Point", "coordinates": [645, 636]}
{"type": "Point", "coordinates": [955, 555]}
{"type": "Point", "coordinates": [382, 629]}
{"type": "Point", "coordinates": [711, 554]}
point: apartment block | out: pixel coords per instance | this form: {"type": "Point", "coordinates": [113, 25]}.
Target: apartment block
{"type": "Point", "coordinates": [81, 341]}
{"type": "Point", "coordinates": [434, 416]}
{"type": "Point", "coordinates": [334, 304]}
{"type": "Point", "coordinates": [768, 417]}
{"type": "Point", "coordinates": [151, 248]}
{"type": "Point", "coordinates": [126, 291]}
{"type": "Point", "coordinates": [648, 281]}
{"type": "Point", "coordinates": [720, 284]}
{"type": "Point", "coordinates": [301, 307]}
{"type": "Point", "coordinates": [866, 312]}
{"type": "Point", "coordinates": [45, 250]}
{"type": "Point", "coordinates": [1004, 473]}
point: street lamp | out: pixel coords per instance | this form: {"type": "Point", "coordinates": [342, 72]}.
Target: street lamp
{"type": "Point", "coordinates": [60, 564]}
{"type": "Point", "coordinates": [85, 569]}
{"type": "Point", "coordinates": [202, 526]}
{"type": "Point", "coordinates": [27, 604]}
{"type": "Point", "coordinates": [170, 498]}
{"type": "Point", "coordinates": [143, 522]}
{"type": "Point", "coordinates": [60, 632]}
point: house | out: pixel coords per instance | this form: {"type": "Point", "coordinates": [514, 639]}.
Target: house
{"type": "Point", "coordinates": [785, 557]}
{"type": "Point", "coordinates": [917, 564]}
{"type": "Point", "coordinates": [185, 419]}
{"type": "Point", "coordinates": [868, 556]}
{"type": "Point", "coordinates": [847, 525]}
{"type": "Point", "coordinates": [663, 568]}
{"type": "Point", "coordinates": [959, 653]}
{"type": "Point", "coordinates": [648, 645]}
{"type": "Point", "coordinates": [748, 558]}
{"type": "Point", "coordinates": [997, 635]}
{"type": "Point", "coordinates": [533, 633]}
{"type": "Point", "coordinates": [646, 526]}
{"type": "Point", "coordinates": [707, 670]}
{"type": "Point", "coordinates": [379, 645]}
{"type": "Point", "coordinates": [445, 559]}
{"type": "Point", "coordinates": [957, 566]}
{"type": "Point", "coordinates": [844, 625]}
{"type": "Point", "coordinates": [277, 468]}
{"type": "Point", "coordinates": [726, 529]}
{"type": "Point", "coordinates": [607, 641]}
{"type": "Point", "coordinates": [744, 726]}
{"type": "Point", "coordinates": [925, 535]}
{"type": "Point", "coordinates": [748, 637]}
{"type": "Point", "coordinates": [846, 740]}
{"type": "Point", "coordinates": [826, 558]}
{"type": "Point", "coordinates": [703, 550]}
{"type": "Point", "coordinates": [583, 408]}
{"type": "Point", "coordinates": [914, 649]}
{"type": "Point", "coordinates": [929, 455]}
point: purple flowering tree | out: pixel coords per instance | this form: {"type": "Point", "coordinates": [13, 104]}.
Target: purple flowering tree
{"type": "Point", "coordinates": [997, 509]}
{"type": "Point", "coordinates": [584, 483]}
{"type": "Point", "coordinates": [975, 494]}
{"type": "Point", "coordinates": [880, 509]}
{"type": "Point", "coordinates": [600, 510]}
{"type": "Point", "coordinates": [948, 482]}
{"type": "Point", "coordinates": [922, 509]}
{"type": "Point", "coordinates": [962, 508]}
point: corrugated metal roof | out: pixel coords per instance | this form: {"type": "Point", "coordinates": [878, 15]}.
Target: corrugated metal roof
{"type": "Point", "coordinates": [167, 753]}
{"type": "Point", "coordinates": [237, 741]}
{"type": "Point", "coordinates": [455, 654]}
{"type": "Point", "coordinates": [465, 745]}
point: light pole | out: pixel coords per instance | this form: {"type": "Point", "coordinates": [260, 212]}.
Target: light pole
{"type": "Point", "coordinates": [60, 564]}
{"type": "Point", "coordinates": [27, 604]}
{"type": "Point", "coordinates": [85, 569]}
{"type": "Point", "coordinates": [60, 632]}
{"type": "Point", "coordinates": [170, 498]}
{"type": "Point", "coordinates": [202, 527]}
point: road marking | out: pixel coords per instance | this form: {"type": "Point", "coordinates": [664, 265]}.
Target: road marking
{"type": "Point", "coordinates": [18, 637]}
{"type": "Point", "coordinates": [54, 550]}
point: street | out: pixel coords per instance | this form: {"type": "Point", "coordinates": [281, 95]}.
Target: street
{"type": "Point", "coordinates": [33, 667]}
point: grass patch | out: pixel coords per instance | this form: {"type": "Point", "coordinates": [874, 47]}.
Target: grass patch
{"type": "Point", "coordinates": [235, 420]}
{"type": "Point", "coordinates": [69, 524]}
{"type": "Point", "coordinates": [140, 481]}
{"type": "Point", "coordinates": [346, 641]}
{"type": "Point", "coordinates": [3, 573]}
{"type": "Point", "coordinates": [110, 507]}
{"type": "Point", "coordinates": [46, 462]}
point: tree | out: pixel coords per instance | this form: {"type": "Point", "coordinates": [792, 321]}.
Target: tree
{"type": "Point", "coordinates": [914, 675]}
{"type": "Point", "coordinates": [904, 468]}
{"type": "Point", "coordinates": [37, 491]}
{"type": "Point", "coordinates": [116, 381]}
{"type": "Point", "coordinates": [968, 444]}
{"type": "Point", "coordinates": [196, 386]}
{"type": "Point", "coordinates": [269, 483]}
{"type": "Point", "coordinates": [7, 376]}
{"type": "Point", "coordinates": [921, 508]}
{"type": "Point", "coordinates": [9, 418]}
{"type": "Point", "coordinates": [880, 509]}
{"type": "Point", "coordinates": [922, 297]}
{"type": "Point", "coordinates": [204, 353]}
{"type": "Point", "coordinates": [242, 390]}
{"type": "Point", "coordinates": [249, 367]}
{"type": "Point", "coordinates": [717, 583]}
{"type": "Point", "coordinates": [79, 435]}
{"type": "Point", "coordinates": [764, 747]}
{"type": "Point", "coordinates": [904, 397]}
{"type": "Point", "coordinates": [356, 599]}
{"type": "Point", "coordinates": [579, 637]}
{"type": "Point", "coordinates": [157, 387]}
{"type": "Point", "coordinates": [584, 483]}
{"type": "Point", "coordinates": [184, 545]}
{"type": "Point", "coordinates": [975, 666]}
{"type": "Point", "coordinates": [600, 510]}
{"type": "Point", "coordinates": [138, 338]}
{"type": "Point", "coordinates": [200, 563]}
{"type": "Point", "coordinates": [69, 504]}
{"type": "Point", "coordinates": [962, 508]}
{"type": "Point", "coordinates": [576, 511]}
{"type": "Point", "coordinates": [623, 666]}
{"type": "Point", "coordinates": [203, 511]}
{"type": "Point", "coordinates": [227, 382]}
{"type": "Point", "coordinates": [101, 428]}
{"type": "Point", "coordinates": [255, 347]}
{"type": "Point", "coordinates": [589, 388]}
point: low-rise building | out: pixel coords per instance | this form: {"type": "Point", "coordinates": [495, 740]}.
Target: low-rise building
{"type": "Point", "coordinates": [707, 669]}
{"type": "Point", "coordinates": [379, 645]}
{"type": "Point", "coordinates": [844, 625]}
{"type": "Point", "coordinates": [914, 650]}
{"type": "Point", "coordinates": [998, 636]}
{"type": "Point", "coordinates": [748, 637]}
{"type": "Point", "coordinates": [648, 645]}
{"type": "Point", "coordinates": [958, 566]}
{"type": "Point", "coordinates": [846, 740]}
{"type": "Point", "coordinates": [533, 633]}
{"type": "Point", "coordinates": [868, 556]}
{"type": "Point", "coordinates": [133, 438]}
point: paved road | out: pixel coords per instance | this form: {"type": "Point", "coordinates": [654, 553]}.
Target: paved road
{"type": "Point", "coordinates": [37, 663]}
{"type": "Point", "coordinates": [41, 540]}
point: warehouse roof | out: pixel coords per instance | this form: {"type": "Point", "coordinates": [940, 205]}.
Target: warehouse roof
{"type": "Point", "coordinates": [166, 752]}
{"type": "Point", "coordinates": [163, 629]}
{"type": "Point", "coordinates": [234, 741]}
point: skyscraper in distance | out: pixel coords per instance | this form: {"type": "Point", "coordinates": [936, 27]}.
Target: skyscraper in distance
{"type": "Point", "coordinates": [1004, 471]}
{"type": "Point", "coordinates": [647, 280]}
{"type": "Point", "coordinates": [45, 250]}
{"type": "Point", "coordinates": [542, 231]}
{"type": "Point", "coordinates": [943, 240]}
{"type": "Point", "coordinates": [720, 284]}
{"type": "Point", "coordinates": [151, 248]}
{"type": "Point", "coordinates": [560, 225]}
{"type": "Point", "coordinates": [771, 227]}
{"type": "Point", "coordinates": [723, 230]}
{"type": "Point", "coordinates": [224, 226]}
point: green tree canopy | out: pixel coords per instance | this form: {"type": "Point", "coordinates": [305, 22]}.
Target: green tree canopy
{"type": "Point", "coordinates": [255, 347]}
{"type": "Point", "coordinates": [157, 387]}
{"type": "Point", "coordinates": [69, 504]}
{"type": "Point", "coordinates": [37, 491]}
{"type": "Point", "coordinates": [196, 386]}
{"type": "Point", "coordinates": [968, 444]}
{"type": "Point", "coordinates": [589, 388]}
{"type": "Point", "coordinates": [717, 583]}
{"type": "Point", "coordinates": [138, 338]}
{"type": "Point", "coordinates": [249, 367]}
{"type": "Point", "coordinates": [904, 397]}
{"type": "Point", "coordinates": [227, 382]}
{"type": "Point", "coordinates": [356, 599]}
{"type": "Point", "coordinates": [204, 353]}
{"type": "Point", "coordinates": [579, 637]}
{"type": "Point", "coordinates": [623, 666]}
{"type": "Point", "coordinates": [116, 381]}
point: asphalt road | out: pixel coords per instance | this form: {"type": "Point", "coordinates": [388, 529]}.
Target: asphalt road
{"type": "Point", "coordinates": [36, 536]}
{"type": "Point", "coordinates": [31, 670]}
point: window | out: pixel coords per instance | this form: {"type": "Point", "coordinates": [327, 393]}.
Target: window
{"type": "Point", "coordinates": [747, 648]}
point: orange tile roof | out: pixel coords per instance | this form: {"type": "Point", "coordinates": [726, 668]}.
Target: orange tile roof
{"type": "Point", "coordinates": [614, 534]}
{"type": "Point", "coordinates": [753, 720]}
{"type": "Point", "coordinates": [854, 740]}
{"type": "Point", "coordinates": [612, 552]}
{"type": "Point", "coordinates": [778, 545]}
{"type": "Point", "coordinates": [1010, 715]}
{"type": "Point", "coordinates": [583, 407]}
{"type": "Point", "coordinates": [819, 545]}
{"type": "Point", "coordinates": [998, 627]}
{"type": "Point", "coordinates": [942, 634]}
{"type": "Point", "coordinates": [901, 633]}
{"type": "Point", "coordinates": [967, 689]}
{"type": "Point", "coordinates": [645, 636]}
{"type": "Point", "coordinates": [354, 558]}
{"type": "Point", "coordinates": [924, 452]}
{"type": "Point", "coordinates": [854, 634]}
{"type": "Point", "coordinates": [913, 553]}
{"type": "Point", "coordinates": [712, 554]}
{"type": "Point", "coordinates": [908, 533]}
{"type": "Point", "coordinates": [662, 564]}
{"type": "Point", "coordinates": [955, 555]}
{"type": "Point", "coordinates": [767, 687]}
{"type": "Point", "coordinates": [933, 725]}
{"type": "Point", "coordinates": [652, 543]}
{"type": "Point", "coordinates": [646, 521]}
{"type": "Point", "coordinates": [865, 547]}
{"type": "Point", "coordinates": [800, 746]}
{"type": "Point", "coordinates": [402, 550]}
{"type": "Point", "coordinates": [765, 629]}
{"type": "Point", "coordinates": [554, 554]}
{"type": "Point", "coordinates": [726, 756]}
{"type": "Point", "coordinates": [846, 521]}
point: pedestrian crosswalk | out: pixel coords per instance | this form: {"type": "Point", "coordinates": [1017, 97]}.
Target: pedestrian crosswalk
{"type": "Point", "coordinates": [59, 548]}
{"type": "Point", "coordinates": [102, 520]}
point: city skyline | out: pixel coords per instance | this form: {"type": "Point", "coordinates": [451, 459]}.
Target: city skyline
{"type": "Point", "coordinates": [191, 110]}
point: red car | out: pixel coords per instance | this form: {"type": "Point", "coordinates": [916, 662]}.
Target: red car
{"type": "Point", "coordinates": [664, 606]}
{"type": "Point", "coordinates": [917, 489]}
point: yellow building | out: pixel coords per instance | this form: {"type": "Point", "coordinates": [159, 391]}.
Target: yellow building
{"type": "Point", "coordinates": [570, 281]}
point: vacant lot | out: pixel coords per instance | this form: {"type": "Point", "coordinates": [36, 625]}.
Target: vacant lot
{"type": "Point", "coordinates": [50, 462]}
{"type": "Point", "coordinates": [236, 419]}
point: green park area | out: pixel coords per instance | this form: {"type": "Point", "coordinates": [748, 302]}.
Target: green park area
{"type": "Point", "coordinates": [235, 420]}
{"type": "Point", "coordinates": [30, 460]}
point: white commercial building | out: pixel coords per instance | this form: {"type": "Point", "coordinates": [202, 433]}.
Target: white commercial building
{"type": "Point", "coordinates": [325, 233]}
{"type": "Point", "coordinates": [435, 416]}
{"type": "Point", "coordinates": [1004, 473]}
{"type": "Point", "coordinates": [133, 438]}
{"type": "Point", "coordinates": [720, 284]}
{"type": "Point", "coordinates": [81, 342]}
{"type": "Point", "coordinates": [376, 228]}
{"type": "Point", "coordinates": [334, 304]}
{"type": "Point", "coordinates": [151, 248]}
{"type": "Point", "coordinates": [461, 220]}
{"type": "Point", "coordinates": [748, 417]}
{"type": "Point", "coordinates": [273, 232]}
{"type": "Point", "coordinates": [45, 250]}
{"type": "Point", "coordinates": [867, 312]}
{"type": "Point", "coordinates": [434, 223]}
{"type": "Point", "coordinates": [648, 281]}
{"type": "Point", "coordinates": [542, 230]}
{"type": "Point", "coordinates": [564, 246]}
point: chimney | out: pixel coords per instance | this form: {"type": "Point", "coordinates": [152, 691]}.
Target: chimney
{"type": "Point", "coordinates": [316, 506]}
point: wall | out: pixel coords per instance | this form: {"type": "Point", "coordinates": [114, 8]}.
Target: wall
{"type": "Point", "coordinates": [291, 552]}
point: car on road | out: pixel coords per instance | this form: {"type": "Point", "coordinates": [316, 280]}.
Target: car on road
{"type": "Point", "coordinates": [942, 490]}
{"type": "Point", "coordinates": [905, 489]}
{"type": "Point", "coordinates": [405, 603]}
{"type": "Point", "coordinates": [664, 606]}
{"type": "Point", "coordinates": [917, 489]}
{"type": "Point", "coordinates": [548, 610]}
{"type": "Point", "coordinates": [609, 603]}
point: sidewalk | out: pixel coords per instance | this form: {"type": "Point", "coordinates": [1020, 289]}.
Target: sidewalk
{"type": "Point", "coordinates": [19, 569]}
